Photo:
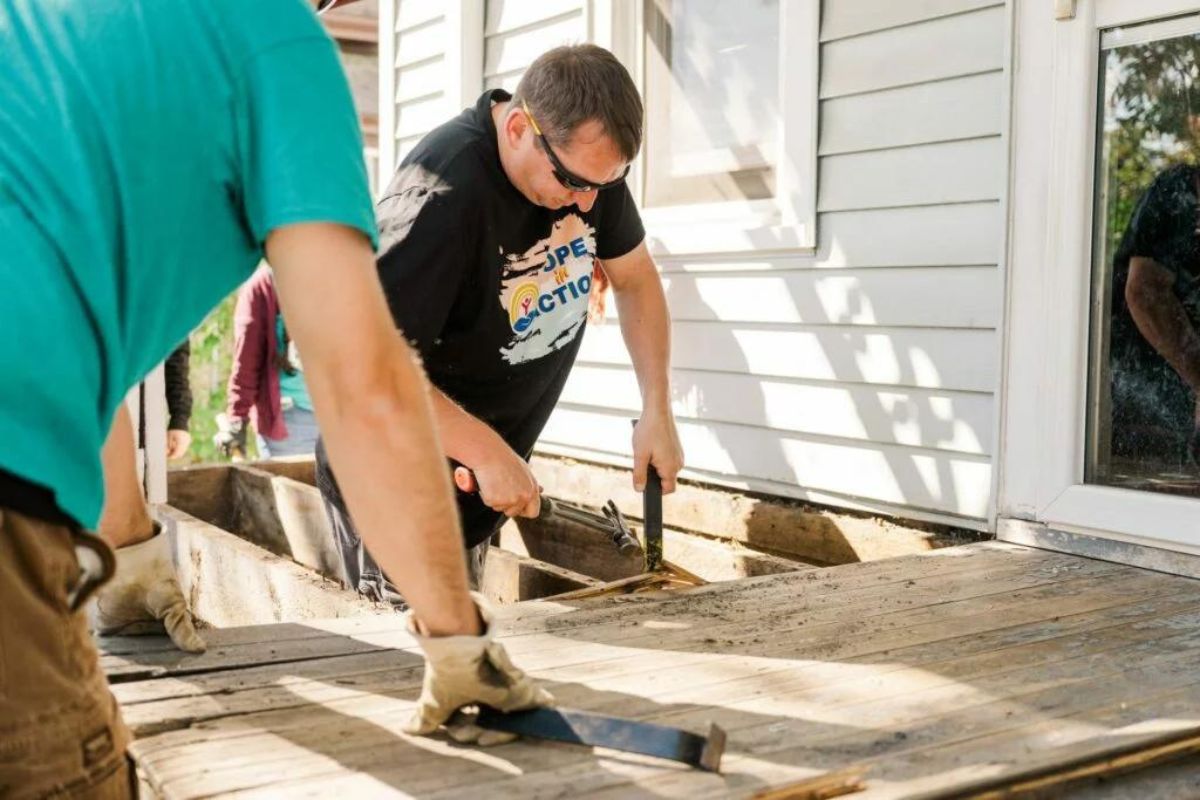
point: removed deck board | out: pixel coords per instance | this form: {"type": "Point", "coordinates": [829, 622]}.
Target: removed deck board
{"type": "Point", "coordinates": [926, 671]}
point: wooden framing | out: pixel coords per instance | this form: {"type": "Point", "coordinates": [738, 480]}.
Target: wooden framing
{"type": "Point", "coordinates": [275, 507]}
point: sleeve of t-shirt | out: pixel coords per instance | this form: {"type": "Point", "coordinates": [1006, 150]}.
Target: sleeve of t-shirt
{"type": "Point", "coordinates": [179, 388]}
{"type": "Point", "coordinates": [422, 261]}
{"type": "Point", "coordinates": [300, 146]}
{"type": "Point", "coordinates": [620, 224]}
{"type": "Point", "coordinates": [1151, 232]}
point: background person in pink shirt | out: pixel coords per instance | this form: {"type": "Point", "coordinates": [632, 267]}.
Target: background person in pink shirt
{"type": "Point", "coordinates": [266, 385]}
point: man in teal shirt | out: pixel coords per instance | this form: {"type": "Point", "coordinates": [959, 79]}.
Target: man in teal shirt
{"type": "Point", "coordinates": [151, 153]}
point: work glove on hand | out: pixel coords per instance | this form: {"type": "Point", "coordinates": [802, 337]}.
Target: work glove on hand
{"type": "Point", "coordinates": [470, 670]}
{"type": "Point", "coordinates": [143, 591]}
{"type": "Point", "coordinates": [231, 438]}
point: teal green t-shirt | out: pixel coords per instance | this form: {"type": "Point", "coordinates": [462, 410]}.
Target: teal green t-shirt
{"type": "Point", "coordinates": [291, 384]}
{"type": "Point", "coordinates": [147, 148]}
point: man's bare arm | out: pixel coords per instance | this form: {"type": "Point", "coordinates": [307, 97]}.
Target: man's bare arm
{"type": "Point", "coordinates": [646, 329]}
{"type": "Point", "coordinates": [125, 519]}
{"type": "Point", "coordinates": [501, 476]}
{"type": "Point", "coordinates": [372, 402]}
{"type": "Point", "coordinates": [1161, 318]}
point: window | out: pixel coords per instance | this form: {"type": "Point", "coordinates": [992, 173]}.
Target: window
{"type": "Point", "coordinates": [1145, 346]}
{"type": "Point", "coordinates": [729, 162]}
{"type": "Point", "coordinates": [712, 100]}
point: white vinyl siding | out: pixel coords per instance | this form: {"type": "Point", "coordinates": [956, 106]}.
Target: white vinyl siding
{"type": "Point", "coordinates": [413, 67]}
{"type": "Point", "coordinates": [863, 376]}
{"type": "Point", "coordinates": [515, 32]}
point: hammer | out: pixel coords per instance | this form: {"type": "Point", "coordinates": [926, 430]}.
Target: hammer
{"type": "Point", "coordinates": [611, 522]}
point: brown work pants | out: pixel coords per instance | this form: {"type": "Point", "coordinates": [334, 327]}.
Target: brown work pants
{"type": "Point", "coordinates": [61, 734]}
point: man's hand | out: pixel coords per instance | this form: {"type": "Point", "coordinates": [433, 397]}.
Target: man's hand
{"type": "Point", "coordinates": [646, 328]}
{"type": "Point", "coordinates": [469, 670]}
{"type": "Point", "coordinates": [231, 438]}
{"type": "Point", "coordinates": [178, 442]}
{"type": "Point", "coordinates": [144, 592]}
{"type": "Point", "coordinates": [505, 483]}
{"type": "Point", "coordinates": [656, 441]}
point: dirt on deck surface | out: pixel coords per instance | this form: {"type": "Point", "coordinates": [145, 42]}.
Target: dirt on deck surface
{"type": "Point", "coordinates": [932, 674]}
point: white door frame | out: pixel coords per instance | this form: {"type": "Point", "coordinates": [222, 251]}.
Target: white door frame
{"type": "Point", "coordinates": [1050, 267]}
{"type": "Point", "coordinates": [150, 397]}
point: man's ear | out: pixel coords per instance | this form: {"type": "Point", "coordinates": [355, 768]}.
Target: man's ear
{"type": "Point", "coordinates": [515, 126]}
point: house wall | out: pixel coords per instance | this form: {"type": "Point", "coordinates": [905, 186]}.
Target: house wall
{"type": "Point", "coordinates": [862, 375]}
{"type": "Point", "coordinates": [355, 28]}
{"type": "Point", "coordinates": [419, 69]}
{"type": "Point", "coordinates": [515, 32]}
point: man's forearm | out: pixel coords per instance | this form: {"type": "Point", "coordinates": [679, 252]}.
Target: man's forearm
{"type": "Point", "coordinates": [646, 329]}
{"type": "Point", "coordinates": [465, 437]}
{"type": "Point", "coordinates": [500, 475]}
{"type": "Point", "coordinates": [386, 448]}
{"type": "Point", "coordinates": [125, 519]}
{"type": "Point", "coordinates": [372, 402]}
{"type": "Point", "coordinates": [1164, 323]}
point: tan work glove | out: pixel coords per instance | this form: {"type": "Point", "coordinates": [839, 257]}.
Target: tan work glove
{"type": "Point", "coordinates": [144, 591]}
{"type": "Point", "coordinates": [466, 671]}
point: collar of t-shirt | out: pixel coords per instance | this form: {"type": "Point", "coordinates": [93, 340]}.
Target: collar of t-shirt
{"type": "Point", "coordinates": [483, 114]}
{"type": "Point", "coordinates": [487, 125]}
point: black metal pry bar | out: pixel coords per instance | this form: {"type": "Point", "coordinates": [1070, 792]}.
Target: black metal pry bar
{"type": "Point", "coordinates": [614, 733]}
{"type": "Point", "coordinates": [652, 525]}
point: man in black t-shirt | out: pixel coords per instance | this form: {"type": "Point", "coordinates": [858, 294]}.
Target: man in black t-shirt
{"type": "Point", "coordinates": [1154, 346]}
{"type": "Point", "coordinates": [492, 233]}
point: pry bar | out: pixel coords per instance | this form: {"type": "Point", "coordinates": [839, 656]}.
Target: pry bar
{"type": "Point", "coordinates": [612, 523]}
{"type": "Point", "coordinates": [599, 730]}
{"type": "Point", "coordinates": [652, 520]}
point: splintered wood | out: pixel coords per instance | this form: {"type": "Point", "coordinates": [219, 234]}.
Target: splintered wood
{"type": "Point", "coordinates": [919, 676]}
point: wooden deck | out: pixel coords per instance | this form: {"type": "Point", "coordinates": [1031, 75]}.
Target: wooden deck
{"type": "Point", "coordinates": [929, 672]}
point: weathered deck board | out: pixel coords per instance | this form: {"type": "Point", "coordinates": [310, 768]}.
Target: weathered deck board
{"type": "Point", "coordinates": [839, 592]}
{"type": "Point", "coordinates": [928, 670]}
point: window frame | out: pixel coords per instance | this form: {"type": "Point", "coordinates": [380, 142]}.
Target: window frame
{"type": "Point", "coordinates": [786, 222]}
{"type": "Point", "coordinates": [1047, 364]}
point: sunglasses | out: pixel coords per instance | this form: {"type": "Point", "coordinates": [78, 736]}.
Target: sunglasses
{"type": "Point", "coordinates": [568, 179]}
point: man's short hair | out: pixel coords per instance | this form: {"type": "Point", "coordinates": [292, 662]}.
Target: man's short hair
{"type": "Point", "coordinates": [570, 85]}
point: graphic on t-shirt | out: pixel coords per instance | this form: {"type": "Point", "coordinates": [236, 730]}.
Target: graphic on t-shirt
{"type": "Point", "coordinates": [544, 290]}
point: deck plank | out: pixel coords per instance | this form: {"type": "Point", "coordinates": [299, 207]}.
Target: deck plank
{"type": "Point", "coordinates": [929, 670]}
{"type": "Point", "coordinates": [586, 657]}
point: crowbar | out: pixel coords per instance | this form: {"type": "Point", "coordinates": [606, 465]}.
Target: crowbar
{"type": "Point", "coordinates": [612, 523]}
{"type": "Point", "coordinates": [614, 733]}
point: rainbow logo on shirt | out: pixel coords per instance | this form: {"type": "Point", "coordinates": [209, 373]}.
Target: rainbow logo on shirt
{"type": "Point", "coordinates": [544, 290]}
{"type": "Point", "coordinates": [522, 306]}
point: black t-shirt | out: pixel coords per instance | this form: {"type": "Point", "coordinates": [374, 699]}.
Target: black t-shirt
{"type": "Point", "coordinates": [491, 289]}
{"type": "Point", "coordinates": [1165, 227]}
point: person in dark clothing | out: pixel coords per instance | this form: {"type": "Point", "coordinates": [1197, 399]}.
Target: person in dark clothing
{"type": "Point", "coordinates": [178, 390]}
{"type": "Point", "coordinates": [494, 233]}
{"type": "Point", "coordinates": [179, 400]}
{"type": "Point", "coordinates": [1154, 346]}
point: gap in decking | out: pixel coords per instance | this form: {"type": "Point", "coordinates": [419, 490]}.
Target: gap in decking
{"type": "Point", "coordinates": [275, 506]}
